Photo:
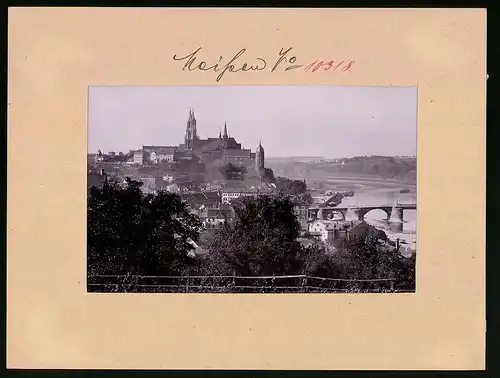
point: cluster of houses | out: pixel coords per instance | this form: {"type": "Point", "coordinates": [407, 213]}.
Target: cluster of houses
{"type": "Point", "coordinates": [329, 231]}
{"type": "Point", "coordinates": [216, 207]}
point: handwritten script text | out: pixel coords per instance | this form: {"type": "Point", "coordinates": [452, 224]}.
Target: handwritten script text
{"type": "Point", "coordinates": [284, 61]}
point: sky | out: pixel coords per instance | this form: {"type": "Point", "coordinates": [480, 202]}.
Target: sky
{"type": "Point", "coordinates": [326, 121]}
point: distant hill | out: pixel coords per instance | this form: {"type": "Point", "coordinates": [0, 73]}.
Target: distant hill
{"type": "Point", "coordinates": [294, 157]}
{"type": "Point", "coordinates": [366, 166]}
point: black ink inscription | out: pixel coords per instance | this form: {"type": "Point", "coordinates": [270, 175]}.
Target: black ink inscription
{"type": "Point", "coordinates": [192, 65]}
{"type": "Point", "coordinates": [291, 60]}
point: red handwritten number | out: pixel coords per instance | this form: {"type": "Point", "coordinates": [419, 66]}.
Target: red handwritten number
{"type": "Point", "coordinates": [314, 66]}
{"type": "Point", "coordinates": [329, 65]}
{"type": "Point", "coordinates": [348, 67]}
{"type": "Point", "coordinates": [309, 66]}
{"type": "Point", "coordinates": [317, 66]}
{"type": "Point", "coordinates": [338, 65]}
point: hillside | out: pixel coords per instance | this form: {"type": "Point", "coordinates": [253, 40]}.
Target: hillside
{"type": "Point", "coordinates": [373, 166]}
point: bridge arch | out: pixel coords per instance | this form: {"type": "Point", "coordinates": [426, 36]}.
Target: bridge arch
{"type": "Point", "coordinates": [377, 214]}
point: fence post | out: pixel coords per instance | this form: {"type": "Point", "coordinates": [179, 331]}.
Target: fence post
{"type": "Point", "coordinates": [392, 285]}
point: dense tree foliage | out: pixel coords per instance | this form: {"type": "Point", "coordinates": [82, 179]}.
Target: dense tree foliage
{"type": "Point", "coordinates": [120, 158]}
{"type": "Point", "coordinates": [368, 259]}
{"type": "Point", "coordinates": [189, 166]}
{"type": "Point", "coordinates": [268, 175]}
{"type": "Point", "coordinates": [129, 232]}
{"type": "Point", "coordinates": [231, 171]}
{"type": "Point", "coordinates": [306, 198]}
{"type": "Point", "coordinates": [291, 187]}
{"type": "Point", "coordinates": [261, 241]}
{"type": "Point", "coordinates": [317, 261]}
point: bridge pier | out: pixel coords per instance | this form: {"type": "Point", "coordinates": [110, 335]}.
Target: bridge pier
{"type": "Point", "coordinates": [354, 214]}
{"type": "Point", "coordinates": [320, 214]}
{"type": "Point", "coordinates": [344, 214]}
{"type": "Point", "coordinates": [396, 214]}
{"type": "Point", "coordinates": [396, 227]}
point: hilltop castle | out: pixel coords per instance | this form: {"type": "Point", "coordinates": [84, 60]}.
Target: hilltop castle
{"type": "Point", "coordinates": [223, 147]}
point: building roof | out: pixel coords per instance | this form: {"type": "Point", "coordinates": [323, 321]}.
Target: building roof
{"type": "Point", "coordinates": [203, 145]}
{"type": "Point", "coordinates": [201, 197]}
{"type": "Point", "coordinates": [357, 224]}
{"type": "Point", "coordinates": [216, 213]}
{"type": "Point", "coordinates": [315, 233]}
{"type": "Point", "coordinates": [239, 190]}
{"type": "Point", "coordinates": [329, 224]}
{"type": "Point", "coordinates": [232, 142]}
{"type": "Point", "coordinates": [259, 148]}
{"type": "Point", "coordinates": [298, 201]}
{"type": "Point", "coordinates": [237, 152]}
{"type": "Point", "coordinates": [215, 154]}
{"type": "Point", "coordinates": [162, 150]}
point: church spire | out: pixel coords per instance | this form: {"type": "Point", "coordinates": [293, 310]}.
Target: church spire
{"type": "Point", "coordinates": [259, 158]}
{"type": "Point", "coordinates": [220, 134]}
{"type": "Point", "coordinates": [225, 130]}
{"type": "Point", "coordinates": [191, 134]}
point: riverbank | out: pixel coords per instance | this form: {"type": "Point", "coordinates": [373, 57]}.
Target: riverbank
{"type": "Point", "coordinates": [370, 191]}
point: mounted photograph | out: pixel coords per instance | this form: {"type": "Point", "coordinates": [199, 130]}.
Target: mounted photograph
{"type": "Point", "coordinates": [251, 189]}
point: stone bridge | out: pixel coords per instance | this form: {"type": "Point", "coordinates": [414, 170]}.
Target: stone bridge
{"type": "Point", "coordinates": [394, 212]}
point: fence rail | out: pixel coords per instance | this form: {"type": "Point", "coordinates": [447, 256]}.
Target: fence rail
{"type": "Point", "coordinates": [239, 284]}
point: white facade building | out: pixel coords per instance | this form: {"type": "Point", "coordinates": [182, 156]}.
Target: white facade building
{"type": "Point", "coordinates": [138, 157]}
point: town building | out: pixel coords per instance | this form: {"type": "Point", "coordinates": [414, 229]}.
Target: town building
{"type": "Point", "coordinates": [148, 183]}
{"type": "Point", "coordinates": [322, 229]}
{"type": "Point", "coordinates": [197, 249]}
{"type": "Point", "coordinates": [353, 230]}
{"type": "Point", "coordinates": [172, 188]}
{"type": "Point", "coordinates": [198, 199]}
{"type": "Point", "coordinates": [301, 210]}
{"type": "Point", "coordinates": [215, 218]}
{"type": "Point", "coordinates": [138, 157]}
{"type": "Point", "coordinates": [230, 194]}
{"type": "Point", "coordinates": [330, 230]}
{"type": "Point", "coordinates": [157, 154]}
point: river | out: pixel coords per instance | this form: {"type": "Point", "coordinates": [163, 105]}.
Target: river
{"type": "Point", "coordinates": [378, 192]}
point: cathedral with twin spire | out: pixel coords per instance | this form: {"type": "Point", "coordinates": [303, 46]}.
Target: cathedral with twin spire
{"type": "Point", "coordinates": [224, 147]}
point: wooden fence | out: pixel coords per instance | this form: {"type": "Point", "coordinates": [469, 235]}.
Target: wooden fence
{"type": "Point", "coordinates": [238, 284]}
